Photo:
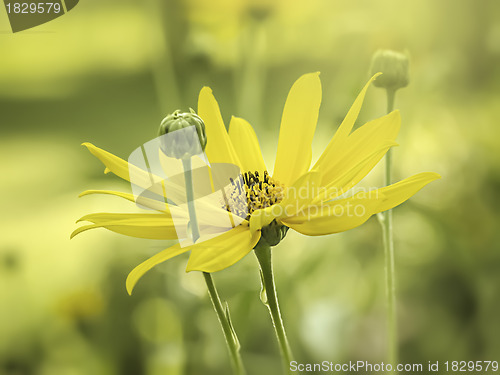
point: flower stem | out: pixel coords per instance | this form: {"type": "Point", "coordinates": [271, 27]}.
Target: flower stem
{"type": "Point", "coordinates": [387, 235]}
{"type": "Point", "coordinates": [232, 342]}
{"type": "Point", "coordinates": [391, 95]}
{"type": "Point", "coordinates": [163, 72]}
{"type": "Point", "coordinates": [188, 178]}
{"type": "Point", "coordinates": [252, 72]}
{"type": "Point", "coordinates": [263, 253]}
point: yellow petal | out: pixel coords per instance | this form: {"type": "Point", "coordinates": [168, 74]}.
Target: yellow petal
{"type": "Point", "coordinates": [350, 177]}
{"type": "Point", "coordinates": [127, 196]}
{"type": "Point", "coordinates": [395, 194]}
{"type": "Point", "coordinates": [261, 218]}
{"type": "Point", "coordinates": [169, 253]}
{"type": "Point", "coordinates": [121, 168]}
{"type": "Point", "coordinates": [146, 202]}
{"type": "Point", "coordinates": [219, 148]}
{"type": "Point", "coordinates": [174, 184]}
{"type": "Point", "coordinates": [144, 267]}
{"type": "Point", "coordinates": [211, 218]}
{"type": "Point", "coordinates": [222, 251]}
{"type": "Point", "coordinates": [334, 217]}
{"type": "Point", "coordinates": [301, 193]}
{"type": "Point", "coordinates": [344, 128]}
{"type": "Point", "coordinates": [144, 179]}
{"type": "Point", "coordinates": [358, 146]}
{"type": "Point", "coordinates": [151, 226]}
{"type": "Point", "coordinates": [247, 146]}
{"type": "Point", "coordinates": [298, 124]}
{"type": "Point", "coordinates": [208, 214]}
{"type": "Point", "coordinates": [344, 214]}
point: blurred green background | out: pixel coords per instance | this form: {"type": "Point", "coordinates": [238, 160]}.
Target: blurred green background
{"type": "Point", "coordinates": [108, 72]}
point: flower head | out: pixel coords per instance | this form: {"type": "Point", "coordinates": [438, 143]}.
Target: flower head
{"type": "Point", "coordinates": [183, 145]}
{"type": "Point", "coordinates": [395, 67]}
{"type": "Point", "coordinates": [309, 200]}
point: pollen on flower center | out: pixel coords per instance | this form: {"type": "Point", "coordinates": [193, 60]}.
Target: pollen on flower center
{"type": "Point", "coordinates": [253, 192]}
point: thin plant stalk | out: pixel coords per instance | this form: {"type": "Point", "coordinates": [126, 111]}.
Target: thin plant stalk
{"type": "Point", "coordinates": [222, 312]}
{"type": "Point", "coordinates": [388, 240]}
{"type": "Point", "coordinates": [232, 342]}
{"type": "Point", "coordinates": [251, 75]}
{"type": "Point", "coordinates": [270, 299]}
{"type": "Point", "coordinates": [163, 71]}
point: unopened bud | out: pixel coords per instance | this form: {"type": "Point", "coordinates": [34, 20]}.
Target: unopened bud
{"type": "Point", "coordinates": [186, 134]}
{"type": "Point", "coordinates": [260, 10]}
{"type": "Point", "coordinates": [395, 69]}
{"type": "Point", "coordinates": [274, 233]}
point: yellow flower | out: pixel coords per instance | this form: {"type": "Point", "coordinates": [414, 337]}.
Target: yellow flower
{"type": "Point", "coordinates": [309, 200]}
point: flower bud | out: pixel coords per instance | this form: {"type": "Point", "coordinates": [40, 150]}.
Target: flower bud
{"type": "Point", "coordinates": [183, 141]}
{"type": "Point", "coordinates": [274, 233]}
{"type": "Point", "coordinates": [395, 69]}
{"type": "Point", "coordinates": [260, 10]}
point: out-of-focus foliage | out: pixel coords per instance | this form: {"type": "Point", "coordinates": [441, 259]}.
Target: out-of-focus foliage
{"type": "Point", "coordinates": [109, 71]}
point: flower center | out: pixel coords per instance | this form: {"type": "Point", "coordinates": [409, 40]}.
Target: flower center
{"type": "Point", "coordinates": [260, 192]}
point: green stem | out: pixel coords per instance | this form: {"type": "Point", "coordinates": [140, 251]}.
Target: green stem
{"type": "Point", "coordinates": [193, 221]}
{"type": "Point", "coordinates": [391, 95]}
{"type": "Point", "coordinates": [263, 253]}
{"type": "Point", "coordinates": [163, 71]}
{"type": "Point", "coordinates": [252, 73]}
{"type": "Point", "coordinates": [232, 342]}
{"type": "Point", "coordinates": [387, 235]}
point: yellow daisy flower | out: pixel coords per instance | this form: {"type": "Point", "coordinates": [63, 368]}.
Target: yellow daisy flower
{"type": "Point", "coordinates": [308, 200]}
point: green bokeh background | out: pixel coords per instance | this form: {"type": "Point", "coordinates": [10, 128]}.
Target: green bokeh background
{"type": "Point", "coordinates": [108, 72]}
